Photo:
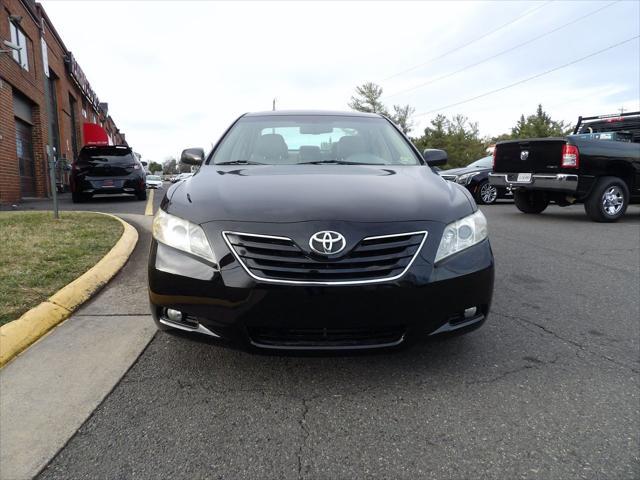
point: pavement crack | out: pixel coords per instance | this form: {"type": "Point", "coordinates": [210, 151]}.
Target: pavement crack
{"type": "Point", "coordinates": [305, 435]}
{"type": "Point", "coordinates": [536, 364]}
{"type": "Point", "coordinates": [578, 345]}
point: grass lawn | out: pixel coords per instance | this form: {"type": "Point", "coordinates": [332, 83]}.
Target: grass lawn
{"type": "Point", "coordinates": [40, 255]}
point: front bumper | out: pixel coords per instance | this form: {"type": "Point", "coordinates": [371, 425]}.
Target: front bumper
{"type": "Point", "coordinates": [561, 182]}
{"type": "Point", "coordinates": [232, 307]}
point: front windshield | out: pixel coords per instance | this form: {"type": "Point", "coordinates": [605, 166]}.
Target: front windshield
{"type": "Point", "coordinates": [486, 162]}
{"type": "Point", "coordinates": [314, 139]}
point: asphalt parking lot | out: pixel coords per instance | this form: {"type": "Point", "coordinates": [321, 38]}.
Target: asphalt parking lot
{"type": "Point", "coordinates": [548, 388]}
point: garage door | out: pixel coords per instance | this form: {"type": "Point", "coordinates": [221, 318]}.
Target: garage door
{"type": "Point", "coordinates": [24, 148]}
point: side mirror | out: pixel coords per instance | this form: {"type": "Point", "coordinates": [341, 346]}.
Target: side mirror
{"type": "Point", "coordinates": [192, 156]}
{"type": "Point", "coordinates": [434, 157]}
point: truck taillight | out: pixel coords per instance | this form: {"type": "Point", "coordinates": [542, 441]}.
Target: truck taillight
{"type": "Point", "coordinates": [570, 156]}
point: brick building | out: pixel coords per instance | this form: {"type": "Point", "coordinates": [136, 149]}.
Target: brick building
{"type": "Point", "coordinates": [45, 101]}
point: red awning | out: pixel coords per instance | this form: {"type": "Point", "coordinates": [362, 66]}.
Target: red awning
{"type": "Point", "coordinates": [94, 134]}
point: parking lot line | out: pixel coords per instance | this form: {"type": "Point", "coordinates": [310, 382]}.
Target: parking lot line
{"type": "Point", "coordinates": [149, 208]}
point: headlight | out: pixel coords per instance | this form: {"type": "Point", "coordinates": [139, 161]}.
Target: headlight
{"type": "Point", "coordinates": [182, 234]}
{"type": "Point", "coordinates": [466, 178]}
{"type": "Point", "coordinates": [462, 234]}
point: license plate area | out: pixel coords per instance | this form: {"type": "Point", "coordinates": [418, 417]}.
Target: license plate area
{"type": "Point", "coordinates": [108, 183]}
{"type": "Point", "coordinates": [523, 178]}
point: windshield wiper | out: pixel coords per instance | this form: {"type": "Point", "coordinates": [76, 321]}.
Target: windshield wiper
{"type": "Point", "coordinates": [332, 162]}
{"type": "Point", "coordinates": [240, 162]}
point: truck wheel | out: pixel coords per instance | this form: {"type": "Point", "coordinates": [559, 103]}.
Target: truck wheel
{"type": "Point", "coordinates": [530, 201]}
{"type": "Point", "coordinates": [608, 200]}
{"type": "Point", "coordinates": [486, 194]}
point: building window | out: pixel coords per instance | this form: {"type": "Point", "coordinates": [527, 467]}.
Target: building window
{"type": "Point", "coordinates": [18, 37]}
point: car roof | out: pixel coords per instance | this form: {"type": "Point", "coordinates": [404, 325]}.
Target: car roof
{"type": "Point", "coordinates": [269, 113]}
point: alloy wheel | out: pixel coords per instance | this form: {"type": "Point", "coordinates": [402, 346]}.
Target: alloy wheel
{"type": "Point", "coordinates": [612, 200]}
{"type": "Point", "coordinates": [488, 193]}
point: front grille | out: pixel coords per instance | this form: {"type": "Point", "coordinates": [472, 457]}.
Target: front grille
{"type": "Point", "coordinates": [281, 260]}
{"type": "Point", "coordinates": [326, 337]}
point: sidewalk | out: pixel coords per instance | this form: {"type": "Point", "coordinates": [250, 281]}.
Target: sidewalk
{"type": "Point", "coordinates": [48, 391]}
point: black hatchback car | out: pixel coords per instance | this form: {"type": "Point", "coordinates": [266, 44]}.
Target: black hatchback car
{"type": "Point", "coordinates": [475, 177]}
{"type": "Point", "coordinates": [107, 170]}
{"type": "Point", "coordinates": [318, 230]}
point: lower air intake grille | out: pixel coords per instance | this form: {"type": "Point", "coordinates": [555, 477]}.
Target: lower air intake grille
{"type": "Point", "coordinates": [280, 260]}
{"type": "Point", "coordinates": [326, 337]}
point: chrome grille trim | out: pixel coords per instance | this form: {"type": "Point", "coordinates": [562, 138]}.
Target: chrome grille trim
{"type": "Point", "coordinates": [424, 234]}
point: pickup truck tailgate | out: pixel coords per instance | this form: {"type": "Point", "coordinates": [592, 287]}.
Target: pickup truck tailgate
{"type": "Point", "coordinates": [534, 156]}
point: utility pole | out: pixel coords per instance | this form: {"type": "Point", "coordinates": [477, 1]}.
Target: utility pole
{"type": "Point", "coordinates": [274, 105]}
{"type": "Point", "coordinates": [622, 109]}
{"type": "Point", "coordinates": [52, 154]}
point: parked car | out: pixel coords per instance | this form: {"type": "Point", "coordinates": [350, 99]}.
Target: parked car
{"type": "Point", "coordinates": [311, 230]}
{"type": "Point", "coordinates": [154, 181]}
{"type": "Point", "coordinates": [599, 166]}
{"type": "Point", "coordinates": [107, 170]}
{"type": "Point", "coordinates": [475, 177]}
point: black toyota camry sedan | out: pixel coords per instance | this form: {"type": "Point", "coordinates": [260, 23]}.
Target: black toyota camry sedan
{"type": "Point", "coordinates": [317, 231]}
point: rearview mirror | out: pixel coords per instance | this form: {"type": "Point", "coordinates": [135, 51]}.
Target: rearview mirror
{"type": "Point", "coordinates": [434, 156]}
{"type": "Point", "coordinates": [192, 156]}
{"type": "Point", "coordinates": [317, 129]}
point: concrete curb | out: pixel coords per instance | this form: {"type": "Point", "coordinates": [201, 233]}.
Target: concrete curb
{"type": "Point", "coordinates": [18, 335]}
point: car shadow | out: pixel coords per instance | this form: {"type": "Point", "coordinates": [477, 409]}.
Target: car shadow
{"type": "Point", "coordinates": [461, 359]}
{"type": "Point", "coordinates": [572, 214]}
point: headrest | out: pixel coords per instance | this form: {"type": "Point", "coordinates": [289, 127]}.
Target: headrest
{"type": "Point", "coordinates": [310, 153]}
{"type": "Point", "coordinates": [350, 145]}
{"type": "Point", "coordinates": [271, 146]}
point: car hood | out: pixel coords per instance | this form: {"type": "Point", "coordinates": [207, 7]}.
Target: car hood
{"type": "Point", "coordinates": [463, 170]}
{"type": "Point", "coordinates": [295, 193]}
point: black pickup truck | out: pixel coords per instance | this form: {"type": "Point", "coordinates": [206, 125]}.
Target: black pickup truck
{"type": "Point", "coordinates": [598, 165]}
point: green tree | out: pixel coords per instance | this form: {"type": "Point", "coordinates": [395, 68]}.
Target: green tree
{"type": "Point", "coordinates": [367, 99]}
{"type": "Point", "coordinates": [458, 136]}
{"type": "Point", "coordinates": [155, 167]}
{"type": "Point", "coordinates": [539, 125]}
{"type": "Point", "coordinates": [402, 117]}
{"type": "Point", "coordinates": [169, 166]}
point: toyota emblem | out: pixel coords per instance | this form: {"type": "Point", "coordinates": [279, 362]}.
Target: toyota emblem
{"type": "Point", "coordinates": [327, 242]}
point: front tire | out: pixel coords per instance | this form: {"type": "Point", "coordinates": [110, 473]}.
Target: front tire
{"type": "Point", "coordinates": [608, 200]}
{"type": "Point", "coordinates": [486, 194]}
{"type": "Point", "coordinates": [530, 201]}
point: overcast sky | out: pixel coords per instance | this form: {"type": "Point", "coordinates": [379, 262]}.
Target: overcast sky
{"type": "Point", "coordinates": [175, 74]}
